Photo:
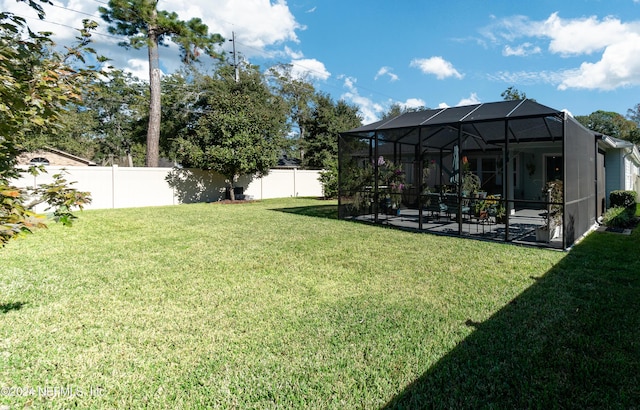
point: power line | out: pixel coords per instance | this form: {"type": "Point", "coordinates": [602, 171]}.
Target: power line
{"type": "Point", "coordinates": [65, 25]}
{"type": "Point", "coordinates": [264, 53]}
{"type": "Point", "coordinates": [75, 11]}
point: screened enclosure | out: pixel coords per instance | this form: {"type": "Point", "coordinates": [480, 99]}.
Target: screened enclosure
{"type": "Point", "coordinates": [514, 171]}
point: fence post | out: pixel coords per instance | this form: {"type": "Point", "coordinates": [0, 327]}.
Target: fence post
{"type": "Point", "coordinates": [114, 170]}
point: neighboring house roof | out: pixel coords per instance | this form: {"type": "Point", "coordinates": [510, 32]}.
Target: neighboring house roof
{"type": "Point", "coordinates": [285, 162]}
{"type": "Point", "coordinates": [52, 156]}
{"type": "Point", "coordinates": [630, 149]}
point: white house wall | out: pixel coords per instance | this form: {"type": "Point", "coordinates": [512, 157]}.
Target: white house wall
{"type": "Point", "coordinates": [614, 168]}
{"type": "Point", "coordinates": [116, 187]}
{"type": "Point", "coordinates": [631, 175]}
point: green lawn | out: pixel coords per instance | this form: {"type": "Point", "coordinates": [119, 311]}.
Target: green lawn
{"type": "Point", "coordinates": [277, 304]}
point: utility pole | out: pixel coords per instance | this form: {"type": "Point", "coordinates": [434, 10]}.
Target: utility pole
{"type": "Point", "coordinates": [235, 58]}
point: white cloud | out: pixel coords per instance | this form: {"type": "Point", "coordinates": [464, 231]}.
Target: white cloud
{"type": "Point", "coordinates": [138, 67]}
{"type": "Point", "coordinates": [413, 103]}
{"type": "Point", "coordinates": [470, 100]}
{"type": "Point", "coordinates": [259, 26]}
{"type": "Point", "coordinates": [529, 77]}
{"type": "Point", "coordinates": [370, 110]}
{"type": "Point", "coordinates": [615, 43]}
{"type": "Point", "coordinates": [63, 18]}
{"type": "Point", "coordinates": [437, 66]}
{"type": "Point", "coordinates": [257, 23]}
{"type": "Point", "coordinates": [581, 36]}
{"type": "Point", "coordinates": [296, 55]}
{"type": "Point", "coordinates": [619, 66]}
{"type": "Point", "coordinates": [309, 68]}
{"type": "Point", "coordinates": [386, 71]}
{"type": "Point", "coordinates": [521, 50]}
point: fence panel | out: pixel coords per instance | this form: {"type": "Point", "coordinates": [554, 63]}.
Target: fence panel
{"type": "Point", "coordinates": [120, 187]}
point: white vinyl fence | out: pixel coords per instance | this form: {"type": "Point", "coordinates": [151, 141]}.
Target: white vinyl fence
{"type": "Point", "coordinates": [119, 187]}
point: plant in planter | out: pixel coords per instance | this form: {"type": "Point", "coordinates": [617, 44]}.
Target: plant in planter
{"type": "Point", "coordinates": [391, 177]}
{"type": "Point", "coordinates": [501, 214]}
{"type": "Point", "coordinates": [470, 184]}
{"type": "Point", "coordinates": [496, 208]}
{"type": "Point", "coordinates": [479, 207]}
{"type": "Point", "coordinates": [553, 217]}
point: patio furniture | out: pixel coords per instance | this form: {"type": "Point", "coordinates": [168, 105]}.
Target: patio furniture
{"type": "Point", "coordinates": [451, 203]}
{"type": "Point", "coordinates": [433, 204]}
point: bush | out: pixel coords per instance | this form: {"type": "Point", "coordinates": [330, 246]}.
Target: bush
{"type": "Point", "coordinates": [329, 180]}
{"type": "Point", "coordinates": [619, 217]}
{"type": "Point", "coordinates": [623, 199]}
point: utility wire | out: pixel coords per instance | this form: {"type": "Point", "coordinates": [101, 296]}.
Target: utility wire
{"type": "Point", "coordinates": [261, 52]}
{"type": "Point", "coordinates": [75, 11]}
{"type": "Point", "coordinates": [65, 25]}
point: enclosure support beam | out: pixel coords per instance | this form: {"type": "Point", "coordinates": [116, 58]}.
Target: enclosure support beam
{"type": "Point", "coordinates": [376, 195]}
{"type": "Point", "coordinates": [419, 174]}
{"type": "Point", "coordinates": [459, 180]}
{"type": "Point", "coordinates": [507, 175]}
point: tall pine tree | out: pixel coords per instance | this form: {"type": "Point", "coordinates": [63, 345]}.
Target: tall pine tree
{"type": "Point", "coordinates": [146, 26]}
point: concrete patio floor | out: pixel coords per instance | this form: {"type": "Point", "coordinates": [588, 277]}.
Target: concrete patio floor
{"type": "Point", "coordinates": [522, 226]}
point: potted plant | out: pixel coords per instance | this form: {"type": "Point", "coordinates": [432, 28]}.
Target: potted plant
{"type": "Point", "coordinates": [470, 184]}
{"type": "Point", "coordinates": [501, 214]}
{"type": "Point", "coordinates": [553, 217]}
{"type": "Point", "coordinates": [392, 180]}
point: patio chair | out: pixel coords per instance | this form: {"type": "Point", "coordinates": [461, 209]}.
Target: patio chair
{"type": "Point", "coordinates": [433, 204]}
{"type": "Point", "coordinates": [451, 203]}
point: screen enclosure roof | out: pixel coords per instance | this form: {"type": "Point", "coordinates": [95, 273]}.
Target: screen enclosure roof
{"type": "Point", "coordinates": [480, 126]}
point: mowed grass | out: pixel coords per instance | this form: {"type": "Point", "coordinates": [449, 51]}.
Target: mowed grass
{"type": "Point", "coordinates": [277, 304]}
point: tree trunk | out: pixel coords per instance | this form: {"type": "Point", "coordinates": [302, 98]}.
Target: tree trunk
{"type": "Point", "coordinates": [153, 131]}
{"type": "Point", "coordinates": [230, 186]}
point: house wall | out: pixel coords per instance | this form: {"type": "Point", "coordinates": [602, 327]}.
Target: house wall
{"type": "Point", "coordinates": [532, 171]}
{"type": "Point", "coordinates": [116, 187]}
{"type": "Point", "coordinates": [614, 166]}
{"type": "Point", "coordinates": [54, 159]}
{"type": "Point", "coordinates": [630, 174]}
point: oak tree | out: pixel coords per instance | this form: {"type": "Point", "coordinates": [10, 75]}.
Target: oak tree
{"type": "Point", "coordinates": [237, 127]}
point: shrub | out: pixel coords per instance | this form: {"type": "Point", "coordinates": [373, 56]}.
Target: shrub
{"type": "Point", "coordinates": [619, 217]}
{"type": "Point", "coordinates": [329, 180]}
{"type": "Point", "coordinates": [623, 199]}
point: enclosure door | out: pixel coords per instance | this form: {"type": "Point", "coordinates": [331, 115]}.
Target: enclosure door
{"type": "Point", "coordinates": [553, 167]}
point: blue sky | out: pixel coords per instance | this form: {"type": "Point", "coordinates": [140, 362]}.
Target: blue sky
{"type": "Point", "coordinates": [581, 56]}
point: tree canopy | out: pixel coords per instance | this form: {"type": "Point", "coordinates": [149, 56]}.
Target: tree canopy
{"type": "Point", "coordinates": [37, 83]}
{"type": "Point", "coordinates": [327, 120]}
{"type": "Point", "coordinates": [512, 93]}
{"type": "Point", "coordinates": [398, 109]}
{"type": "Point", "coordinates": [611, 124]}
{"type": "Point", "coordinates": [236, 128]}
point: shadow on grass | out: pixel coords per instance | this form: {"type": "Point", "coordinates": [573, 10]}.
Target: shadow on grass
{"type": "Point", "coordinates": [316, 211]}
{"type": "Point", "coordinates": [8, 307]}
{"type": "Point", "coordinates": [572, 340]}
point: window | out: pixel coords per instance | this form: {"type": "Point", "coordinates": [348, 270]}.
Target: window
{"type": "Point", "coordinates": [39, 161]}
